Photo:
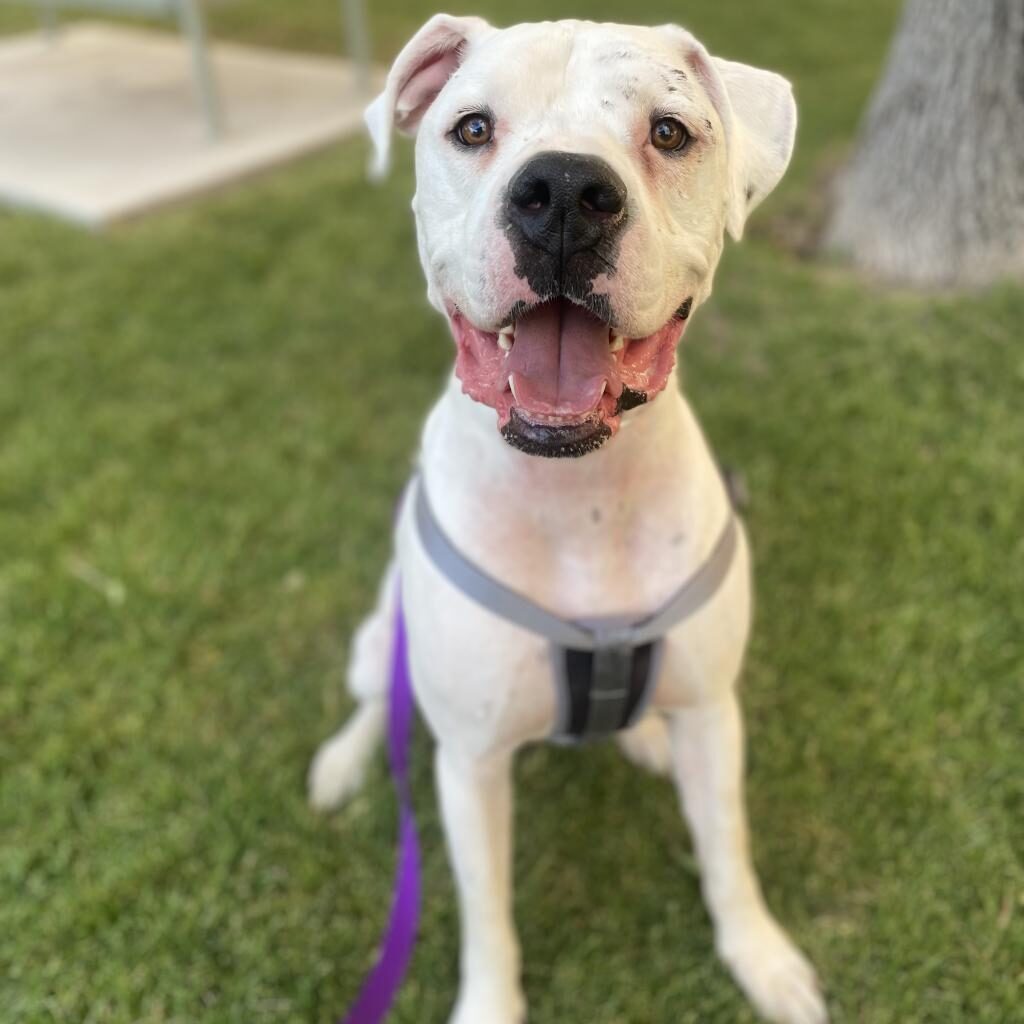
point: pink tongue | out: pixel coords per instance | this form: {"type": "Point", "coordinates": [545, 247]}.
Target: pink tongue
{"type": "Point", "coordinates": [561, 360]}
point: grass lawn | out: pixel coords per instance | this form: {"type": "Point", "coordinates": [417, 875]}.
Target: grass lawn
{"type": "Point", "coordinates": [204, 421]}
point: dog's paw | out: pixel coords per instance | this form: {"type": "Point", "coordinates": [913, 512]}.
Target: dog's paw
{"type": "Point", "coordinates": [339, 767]}
{"type": "Point", "coordinates": [488, 1007]}
{"type": "Point", "coordinates": [647, 744]}
{"type": "Point", "coordinates": [775, 976]}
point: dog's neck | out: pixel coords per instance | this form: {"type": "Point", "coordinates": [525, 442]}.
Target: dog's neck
{"type": "Point", "coordinates": [653, 454]}
{"type": "Point", "coordinates": [642, 508]}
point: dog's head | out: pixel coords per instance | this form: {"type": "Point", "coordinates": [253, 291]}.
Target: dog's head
{"type": "Point", "coordinates": [574, 182]}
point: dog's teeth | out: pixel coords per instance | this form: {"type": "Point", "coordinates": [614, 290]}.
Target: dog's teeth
{"type": "Point", "coordinates": [505, 338]}
{"type": "Point", "coordinates": [617, 343]}
{"type": "Point", "coordinates": [512, 385]}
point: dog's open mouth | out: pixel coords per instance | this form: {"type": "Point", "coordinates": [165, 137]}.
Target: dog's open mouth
{"type": "Point", "coordinates": [559, 377]}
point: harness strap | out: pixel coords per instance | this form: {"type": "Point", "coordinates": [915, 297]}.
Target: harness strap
{"type": "Point", "coordinates": [591, 635]}
{"type": "Point", "coordinates": [485, 589]}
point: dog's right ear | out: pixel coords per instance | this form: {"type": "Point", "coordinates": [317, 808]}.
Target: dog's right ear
{"type": "Point", "coordinates": [419, 73]}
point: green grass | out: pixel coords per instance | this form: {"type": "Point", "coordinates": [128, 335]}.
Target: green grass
{"type": "Point", "coordinates": [204, 420]}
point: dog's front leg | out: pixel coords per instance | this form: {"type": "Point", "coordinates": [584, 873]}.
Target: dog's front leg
{"type": "Point", "coordinates": [476, 803]}
{"type": "Point", "coordinates": [707, 746]}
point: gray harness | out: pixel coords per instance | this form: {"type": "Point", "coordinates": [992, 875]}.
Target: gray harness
{"type": "Point", "coordinates": [605, 668]}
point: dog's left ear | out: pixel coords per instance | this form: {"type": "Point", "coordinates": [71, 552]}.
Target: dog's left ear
{"type": "Point", "coordinates": [758, 114]}
{"type": "Point", "coordinates": [416, 78]}
{"type": "Point", "coordinates": [762, 138]}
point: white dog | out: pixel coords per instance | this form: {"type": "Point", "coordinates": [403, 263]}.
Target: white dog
{"type": "Point", "coordinates": [574, 182]}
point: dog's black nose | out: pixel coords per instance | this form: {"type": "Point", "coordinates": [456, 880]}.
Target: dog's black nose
{"type": "Point", "coordinates": [564, 203]}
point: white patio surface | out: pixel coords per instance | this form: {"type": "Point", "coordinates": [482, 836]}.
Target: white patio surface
{"type": "Point", "coordinates": [103, 123]}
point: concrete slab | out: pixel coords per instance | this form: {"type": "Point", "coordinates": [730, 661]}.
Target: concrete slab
{"type": "Point", "coordinates": [105, 123]}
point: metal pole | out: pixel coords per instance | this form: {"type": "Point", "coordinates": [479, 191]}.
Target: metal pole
{"type": "Point", "coordinates": [358, 42]}
{"type": "Point", "coordinates": [206, 85]}
{"type": "Point", "coordinates": [48, 19]}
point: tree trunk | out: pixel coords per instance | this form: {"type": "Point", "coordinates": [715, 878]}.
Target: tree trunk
{"type": "Point", "coordinates": [935, 192]}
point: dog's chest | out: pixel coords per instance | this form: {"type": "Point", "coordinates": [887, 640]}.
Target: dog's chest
{"type": "Point", "coordinates": [613, 535]}
{"type": "Point", "coordinates": [592, 557]}
{"type": "Point", "coordinates": [480, 675]}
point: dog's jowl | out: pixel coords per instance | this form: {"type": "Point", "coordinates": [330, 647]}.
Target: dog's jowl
{"type": "Point", "coordinates": [569, 562]}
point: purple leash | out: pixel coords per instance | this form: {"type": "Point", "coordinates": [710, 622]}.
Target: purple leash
{"type": "Point", "coordinates": [383, 982]}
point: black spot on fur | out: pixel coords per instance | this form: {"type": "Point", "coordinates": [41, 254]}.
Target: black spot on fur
{"type": "Point", "coordinates": [683, 312]}
{"type": "Point", "coordinates": [630, 399]}
{"type": "Point", "coordinates": [574, 281]}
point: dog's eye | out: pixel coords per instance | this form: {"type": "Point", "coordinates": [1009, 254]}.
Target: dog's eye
{"type": "Point", "coordinates": [668, 135]}
{"type": "Point", "coordinates": [474, 130]}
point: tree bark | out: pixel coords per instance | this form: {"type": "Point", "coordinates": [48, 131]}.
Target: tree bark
{"type": "Point", "coordinates": [934, 195]}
